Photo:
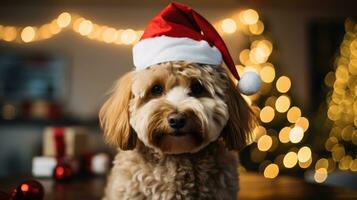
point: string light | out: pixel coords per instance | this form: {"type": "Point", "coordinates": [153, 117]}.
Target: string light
{"type": "Point", "coordinates": [249, 16]}
{"type": "Point", "coordinates": [282, 103]}
{"type": "Point", "coordinates": [267, 73]}
{"type": "Point", "coordinates": [264, 143]}
{"type": "Point", "coordinates": [294, 114]}
{"type": "Point", "coordinates": [267, 114]}
{"type": "Point", "coordinates": [284, 135]}
{"type": "Point", "coordinates": [28, 34]}
{"type": "Point", "coordinates": [283, 84]}
{"type": "Point", "coordinates": [290, 160]}
{"type": "Point", "coordinates": [64, 20]}
{"type": "Point", "coordinates": [271, 171]}
{"type": "Point", "coordinates": [320, 175]}
{"type": "Point", "coordinates": [304, 154]}
{"type": "Point", "coordinates": [229, 26]}
{"type": "Point", "coordinates": [296, 134]}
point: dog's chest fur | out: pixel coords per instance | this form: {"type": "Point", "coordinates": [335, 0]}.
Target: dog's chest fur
{"type": "Point", "coordinates": [142, 174]}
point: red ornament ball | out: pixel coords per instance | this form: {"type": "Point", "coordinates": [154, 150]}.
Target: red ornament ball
{"type": "Point", "coordinates": [63, 172]}
{"type": "Point", "coordinates": [28, 190]}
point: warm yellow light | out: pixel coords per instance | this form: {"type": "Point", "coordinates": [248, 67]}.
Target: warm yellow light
{"type": "Point", "coordinates": [271, 171]}
{"type": "Point", "coordinates": [283, 84]}
{"type": "Point", "coordinates": [9, 33]}
{"type": "Point", "coordinates": [54, 28]}
{"type": "Point", "coordinates": [290, 160]}
{"type": "Point", "coordinates": [128, 36]}
{"type": "Point", "coordinates": [294, 114]}
{"type": "Point", "coordinates": [306, 164]}
{"type": "Point", "coordinates": [303, 122]}
{"type": "Point", "coordinates": [267, 74]}
{"type": "Point", "coordinates": [258, 132]}
{"type": "Point", "coordinates": [282, 104]}
{"type": "Point", "coordinates": [296, 134]}
{"type": "Point", "coordinates": [322, 163]}
{"type": "Point", "coordinates": [338, 152]}
{"type": "Point", "coordinates": [249, 16]}
{"type": "Point", "coordinates": [267, 114]}
{"type": "Point", "coordinates": [347, 133]}
{"type": "Point", "coordinates": [304, 154]}
{"type": "Point", "coordinates": [229, 26]}
{"type": "Point", "coordinates": [353, 165]}
{"type": "Point", "coordinates": [264, 143]}
{"type": "Point", "coordinates": [244, 56]}
{"type": "Point", "coordinates": [64, 19]}
{"type": "Point", "coordinates": [85, 27]}
{"type": "Point", "coordinates": [44, 32]}
{"type": "Point", "coordinates": [320, 175]}
{"type": "Point", "coordinates": [257, 28]}
{"type": "Point", "coordinates": [345, 162]}
{"type": "Point", "coordinates": [258, 55]}
{"type": "Point", "coordinates": [284, 135]}
{"type": "Point", "coordinates": [28, 34]}
{"type": "Point", "coordinates": [109, 35]}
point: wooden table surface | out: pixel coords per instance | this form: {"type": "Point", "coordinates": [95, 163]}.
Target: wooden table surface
{"type": "Point", "coordinates": [253, 187]}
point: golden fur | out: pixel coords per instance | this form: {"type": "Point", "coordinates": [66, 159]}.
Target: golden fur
{"type": "Point", "coordinates": [156, 161]}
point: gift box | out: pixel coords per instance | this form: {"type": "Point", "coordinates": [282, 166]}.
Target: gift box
{"type": "Point", "coordinates": [65, 141]}
{"type": "Point", "coordinates": [43, 166]}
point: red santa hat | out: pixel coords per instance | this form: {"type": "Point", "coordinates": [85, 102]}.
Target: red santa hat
{"type": "Point", "coordinates": [178, 33]}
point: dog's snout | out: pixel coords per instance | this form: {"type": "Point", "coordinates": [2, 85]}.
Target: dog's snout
{"type": "Point", "coordinates": [177, 120]}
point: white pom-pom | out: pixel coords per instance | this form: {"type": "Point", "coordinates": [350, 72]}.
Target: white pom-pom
{"type": "Point", "coordinates": [249, 83]}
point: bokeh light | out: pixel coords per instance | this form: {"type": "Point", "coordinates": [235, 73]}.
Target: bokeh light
{"type": "Point", "coordinates": [229, 26]}
{"type": "Point", "coordinates": [304, 154]}
{"type": "Point", "coordinates": [282, 103]}
{"type": "Point", "coordinates": [64, 19]}
{"type": "Point", "coordinates": [296, 134]}
{"type": "Point", "coordinates": [290, 160]}
{"type": "Point", "coordinates": [264, 143]}
{"type": "Point", "coordinates": [271, 171]}
{"type": "Point", "coordinates": [294, 114]}
{"type": "Point", "coordinates": [267, 114]}
{"type": "Point", "coordinates": [28, 34]}
{"type": "Point", "coordinates": [283, 84]}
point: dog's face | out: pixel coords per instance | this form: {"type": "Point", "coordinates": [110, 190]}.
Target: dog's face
{"type": "Point", "coordinates": [176, 107]}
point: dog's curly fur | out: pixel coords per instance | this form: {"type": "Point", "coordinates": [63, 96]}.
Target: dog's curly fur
{"type": "Point", "coordinates": [156, 161]}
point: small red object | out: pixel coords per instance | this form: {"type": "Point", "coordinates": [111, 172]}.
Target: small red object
{"type": "Point", "coordinates": [63, 172]}
{"type": "Point", "coordinates": [28, 190]}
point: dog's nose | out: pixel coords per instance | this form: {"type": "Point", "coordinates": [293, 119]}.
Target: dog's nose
{"type": "Point", "coordinates": [177, 120]}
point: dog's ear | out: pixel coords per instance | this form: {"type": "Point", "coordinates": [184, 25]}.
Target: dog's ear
{"type": "Point", "coordinates": [241, 120]}
{"type": "Point", "coordinates": [114, 115]}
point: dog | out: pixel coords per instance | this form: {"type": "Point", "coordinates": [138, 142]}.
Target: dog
{"type": "Point", "coordinates": [178, 126]}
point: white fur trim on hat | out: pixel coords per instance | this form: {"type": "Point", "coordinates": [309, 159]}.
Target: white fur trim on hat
{"type": "Point", "coordinates": [160, 49]}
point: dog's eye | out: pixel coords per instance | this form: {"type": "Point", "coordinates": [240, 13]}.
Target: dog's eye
{"type": "Point", "coordinates": [157, 89]}
{"type": "Point", "coordinates": [196, 89]}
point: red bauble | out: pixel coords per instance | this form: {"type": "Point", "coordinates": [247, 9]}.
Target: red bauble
{"type": "Point", "coordinates": [28, 190]}
{"type": "Point", "coordinates": [63, 172]}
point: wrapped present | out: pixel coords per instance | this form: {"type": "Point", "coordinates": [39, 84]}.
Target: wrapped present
{"type": "Point", "coordinates": [46, 167]}
{"type": "Point", "coordinates": [43, 166]}
{"type": "Point", "coordinates": [65, 142]}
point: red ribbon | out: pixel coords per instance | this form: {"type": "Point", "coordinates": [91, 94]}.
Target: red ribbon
{"type": "Point", "coordinates": [58, 134]}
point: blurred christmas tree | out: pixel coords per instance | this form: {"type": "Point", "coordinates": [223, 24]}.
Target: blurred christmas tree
{"type": "Point", "coordinates": [278, 142]}
{"type": "Point", "coordinates": [342, 109]}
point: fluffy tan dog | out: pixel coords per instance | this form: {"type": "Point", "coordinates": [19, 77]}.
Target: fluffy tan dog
{"type": "Point", "coordinates": [177, 126]}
